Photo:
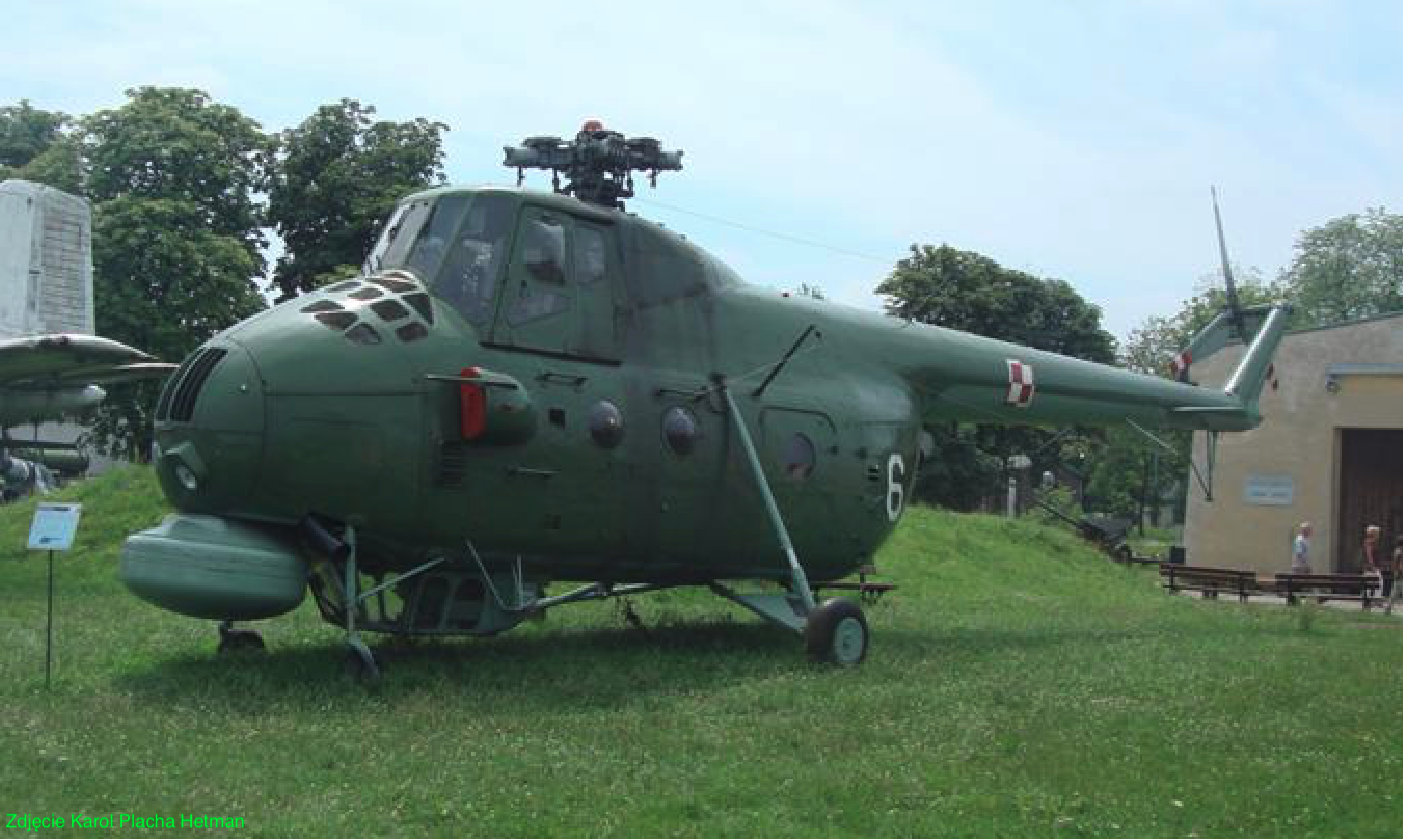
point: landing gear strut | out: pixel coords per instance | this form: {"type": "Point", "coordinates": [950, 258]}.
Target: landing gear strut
{"type": "Point", "coordinates": [835, 632]}
{"type": "Point", "coordinates": [234, 640]}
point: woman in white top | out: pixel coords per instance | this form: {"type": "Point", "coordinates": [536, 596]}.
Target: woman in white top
{"type": "Point", "coordinates": [1300, 550]}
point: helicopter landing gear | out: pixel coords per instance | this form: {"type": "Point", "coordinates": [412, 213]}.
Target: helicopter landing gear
{"type": "Point", "coordinates": [360, 662]}
{"type": "Point", "coordinates": [836, 633]}
{"type": "Point", "coordinates": [233, 640]}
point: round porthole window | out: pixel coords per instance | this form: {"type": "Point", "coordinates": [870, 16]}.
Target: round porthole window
{"type": "Point", "coordinates": [680, 430]}
{"type": "Point", "coordinates": [799, 457]}
{"type": "Point", "coordinates": [606, 424]}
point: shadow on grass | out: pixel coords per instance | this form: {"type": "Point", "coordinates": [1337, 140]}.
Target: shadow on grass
{"type": "Point", "coordinates": [570, 669]}
{"type": "Point", "coordinates": [554, 670]}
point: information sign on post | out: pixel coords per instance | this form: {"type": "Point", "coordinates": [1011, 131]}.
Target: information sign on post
{"type": "Point", "coordinates": [54, 526]}
{"type": "Point", "coordinates": [53, 529]}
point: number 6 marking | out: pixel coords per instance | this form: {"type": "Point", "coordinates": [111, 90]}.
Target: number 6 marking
{"type": "Point", "coordinates": [896, 493]}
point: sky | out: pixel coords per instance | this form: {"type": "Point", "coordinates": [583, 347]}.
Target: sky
{"type": "Point", "coordinates": [1073, 140]}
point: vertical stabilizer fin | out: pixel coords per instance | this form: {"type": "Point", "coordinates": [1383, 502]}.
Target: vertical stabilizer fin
{"type": "Point", "coordinates": [1251, 374]}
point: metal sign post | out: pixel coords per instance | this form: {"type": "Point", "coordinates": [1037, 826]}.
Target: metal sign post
{"type": "Point", "coordinates": [53, 529]}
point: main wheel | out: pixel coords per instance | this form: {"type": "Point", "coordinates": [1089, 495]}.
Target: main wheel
{"type": "Point", "coordinates": [837, 633]}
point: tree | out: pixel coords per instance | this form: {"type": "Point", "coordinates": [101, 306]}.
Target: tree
{"type": "Point", "coordinates": [973, 293]}
{"type": "Point", "coordinates": [176, 234]}
{"type": "Point", "coordinates": [34, 146]}
{"type": "Point", "coordinates": [26, 131]}
{"type": "Point", "coordinates": [176, 144]}
{"type": "Point", "coordinates": [1348, 268]}
{"type": "Point", "coordinates": [334, 178]}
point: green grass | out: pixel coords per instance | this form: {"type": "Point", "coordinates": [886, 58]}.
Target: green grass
{"type": "Point", "coordinates": [1019, 684]}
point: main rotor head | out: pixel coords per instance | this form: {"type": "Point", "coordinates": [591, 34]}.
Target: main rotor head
{"type": "Point", "coordinates": [598, 164]}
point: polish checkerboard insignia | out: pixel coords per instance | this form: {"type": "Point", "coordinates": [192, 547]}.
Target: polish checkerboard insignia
{"type": "Point", "coordinates": [1179, 364]}
{"type": "Point", "coordinates": [1020, 383]}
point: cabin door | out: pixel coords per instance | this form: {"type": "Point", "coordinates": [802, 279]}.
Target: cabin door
{"type": "Point", "coordinates": [559, 295]}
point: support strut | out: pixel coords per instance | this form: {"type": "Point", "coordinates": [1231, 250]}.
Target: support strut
{"type": "Point", "coordinates": [799, 581]}
{"type": "Point", "coordinates": [359, 655]}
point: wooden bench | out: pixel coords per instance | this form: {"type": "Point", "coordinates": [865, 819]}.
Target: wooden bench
{"type": "Point", "coordinates": [1209, 581]}
{"type": "Point", "coordinates": [1361, 587]}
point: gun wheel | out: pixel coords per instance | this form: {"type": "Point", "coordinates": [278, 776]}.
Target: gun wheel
{"type": "Point", "coordinates": [836, 633]}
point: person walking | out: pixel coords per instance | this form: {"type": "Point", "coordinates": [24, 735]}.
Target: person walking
{"type": "Point", "coordinates": [1370, 554]}
{"type": "Point", "coordinates": [1300, 549]}
{"type": "Point", "coordinates": [1397, 573]}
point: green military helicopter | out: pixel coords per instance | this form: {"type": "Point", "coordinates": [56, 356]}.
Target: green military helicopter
{"type": "Point", "coordinates": [530, 387]}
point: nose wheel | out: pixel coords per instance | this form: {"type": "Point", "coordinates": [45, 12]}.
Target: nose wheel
{"type": "Point", "coordinates": [836, 632]}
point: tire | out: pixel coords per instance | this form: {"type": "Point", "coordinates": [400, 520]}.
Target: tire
{"type": "Point", "coordinates": [836, 633]}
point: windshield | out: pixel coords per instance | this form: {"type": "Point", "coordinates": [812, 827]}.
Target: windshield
{"type": "Point", "coordinates": [473, 266]}
{"type": "Point", "coordinates": [400, 230]}
{"type": "Point", "coordinates": [417, 236]}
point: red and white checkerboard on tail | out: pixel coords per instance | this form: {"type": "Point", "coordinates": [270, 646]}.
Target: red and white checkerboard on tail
{"type": "Point", "coordinates": [1020, 383]}
{"type": "Point", "coordinates": [1180, 363]}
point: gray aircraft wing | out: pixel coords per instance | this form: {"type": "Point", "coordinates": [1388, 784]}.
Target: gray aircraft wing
{"type": "Point", "coordinates": [41, 362]}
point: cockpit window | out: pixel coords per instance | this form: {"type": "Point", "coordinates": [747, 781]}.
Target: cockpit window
{"type": "Point", "coordinates": [431, 245]}
{"type": "Point", "coordinates": [591, 255]}
{"type": "Point", "coordinates": [543, 249]}
{"type": "Point", "coordinates": [399, 234]}
{"type": "Point", "coordinates": [470, 274]}
{"type": "Point", "coordinates": [417, 235]}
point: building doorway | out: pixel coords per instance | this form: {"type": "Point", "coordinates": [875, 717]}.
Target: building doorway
{"type": "Point", "coordinates": [1370, 492]}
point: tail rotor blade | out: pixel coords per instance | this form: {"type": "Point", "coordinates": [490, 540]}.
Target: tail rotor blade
{"type": "Point", "coordinates": [1230, 286]}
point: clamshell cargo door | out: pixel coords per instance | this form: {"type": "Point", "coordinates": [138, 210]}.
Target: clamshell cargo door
{"type": "Point", "coordinates": [559, 295]}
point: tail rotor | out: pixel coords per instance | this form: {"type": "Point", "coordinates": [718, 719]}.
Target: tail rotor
{"type": "Point", "coordinates": [1234, 305]}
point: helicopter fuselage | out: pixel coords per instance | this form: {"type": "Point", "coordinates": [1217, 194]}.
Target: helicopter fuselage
{"type": "Point", "coordinates": [525, 387]}
{"type": "Point", "coordinates": [606, 451]}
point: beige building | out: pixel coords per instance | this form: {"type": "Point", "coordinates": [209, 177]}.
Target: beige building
{"type": "Point", "coordinates": [1329, 451]}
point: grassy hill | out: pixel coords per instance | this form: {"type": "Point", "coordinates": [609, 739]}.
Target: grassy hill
{"type": "Point", "coordinates": [1019, 684]}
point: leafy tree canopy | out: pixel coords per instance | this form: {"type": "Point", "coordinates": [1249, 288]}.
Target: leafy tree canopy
{"type": "Point", "coordinates": [176, 144]}
{"type": "Point", "coordinates": [176, 234]}
{"type": "Point", "coordinates": [35, 146]}
{"type": "Point", "coordinates": [1346, 269]}
{"type": "Point", "coordinates": [973, 293]}
{"type": "Point", "coordinates": [334, 178]}
{"type": "Point", "coordinates": [26, 131]}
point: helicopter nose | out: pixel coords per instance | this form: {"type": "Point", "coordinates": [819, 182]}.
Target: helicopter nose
{"type": "Point", "coordinates": [304, 405]}
{"type": "Point", "coordinates": [210, 427]}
